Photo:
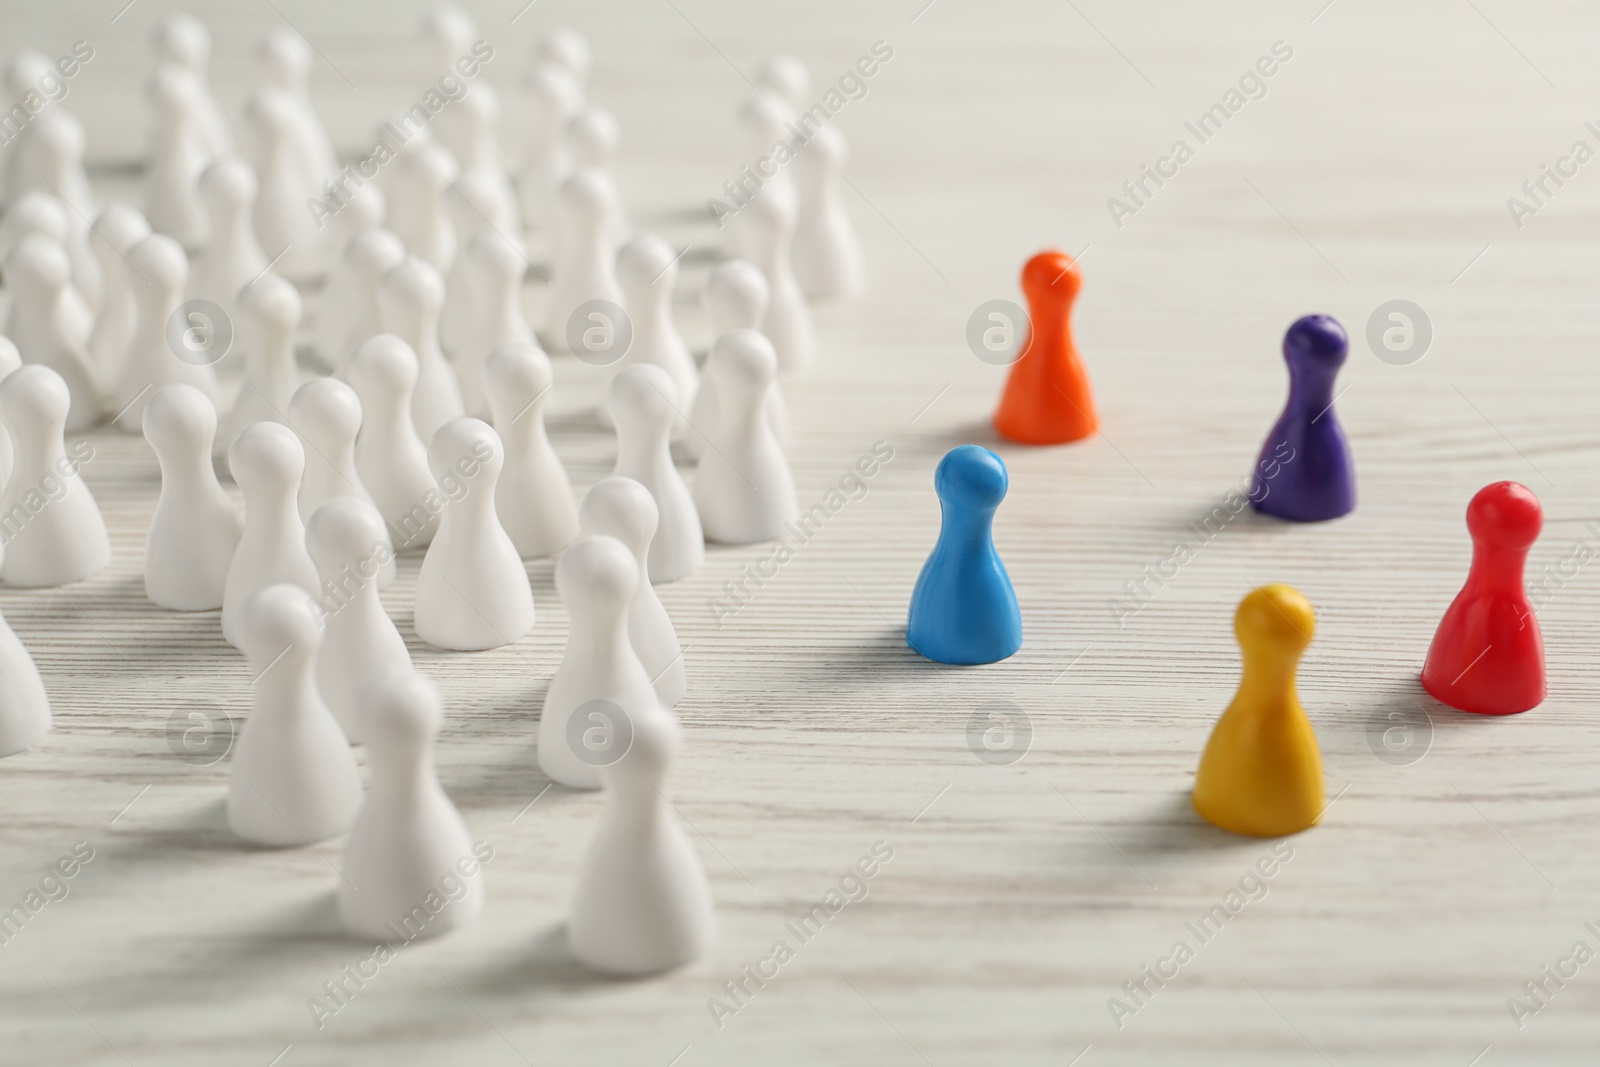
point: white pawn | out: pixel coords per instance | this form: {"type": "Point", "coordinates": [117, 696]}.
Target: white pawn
{"type": "Point", "coordinates": [158, 270]}
{"type": "Point", "coordinates": [409, 840]}
{"type": "Point", "coordinates": [363, 209]}
{"type": "Point", "coordinates": [45, 329]}
{"type": "Point", "coordinates": [648, 272]}
{"type": "Point", "coordinates": [743, 487]}
{"type": "Point", "coordinates": [44, 215]}
{"type": "Point", "coordinates": [348, 311]}
{"type": "Point", "coordinates": [55, 148]}
{"type": "Point", "coordinates": [293, 779]}
{"type": "Point", "coordinates": [180, 148]}
{"type": "Point", "coordinates": [10, 360]}
{"type": "Point", "coordinates": [735, 298]}
{"type": "Point", "coordinates": [196, 529]}
{"type": "Point", "coordinates": [268, 315]}
{"type": "Point", "coordinates": [116, 230]}
{"type": "Point", "coordinates": [480, 205]}
{"type": "Point", "coordinates": [267, 461]}
{"type": "Point", "coordinates": [451, 31]}
{"type": "Point", "coordinates": [410, 297]}
{"type": "Point", "coordinates": [284, 60]}
{"type": "Point", "coordinates": [495, 298]}
{"type": "Point", "coordinates": [477, 116]}
{"type": "Point", "coordinates": [566, 48]}
{"type": "Point", "coordinates": [472, 592]}
{"type": "Point", "coordinates": [643, 407]}
{"type": "Point", "coordinates": [233, 257]}
{"type": "Point", "coordinates": [826, 253]}
{"type": "Point", "coordinates": [418, 213]}
{"type": "Point", "coordinates": [348, 544]}
{"type": "Point", "coordinates": [326, 413]}
{"type": "Point", "coordinates": [624, 509]}
{"type": "Point", "coordinates": [24, 704]}
{"type": "Point", "coordinates": [25, 73]}
{"type": "Point", "coordinates": [585, 271]}
{"type": "Point", "coordinates": [600, 681]}
{"type": "Point", "coordinates": [533, 496]}
{"type": "Point", "coordinates": [59, 536]}
{"type": "Point", "coordinates": [285, 228]}
{"type": "Point", "coordinates": [642, 903]}
{"type": "Point", "coordinates": [594, 137]}
{"type": "Point", "coordinates": [390, 457]}
{"type": "Point", "coordinates": [788, 77]}
{"type": "Point", "coordinates": [547, 160]}
{"type": "Point", "coordinates": [763, 116]}
{"type": "Point", "coordinates": [184, 40]}
{"type": "Point", "coordinates": [768, 223]}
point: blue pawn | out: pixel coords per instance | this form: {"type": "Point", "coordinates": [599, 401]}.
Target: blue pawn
{"type": "Point", "coordinates": [1305, 473]}
{"type": "Point", "coordinates": [963, 609]}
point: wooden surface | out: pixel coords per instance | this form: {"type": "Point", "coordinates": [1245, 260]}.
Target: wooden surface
{"type": "Point", "coordinates": [1020, 897]}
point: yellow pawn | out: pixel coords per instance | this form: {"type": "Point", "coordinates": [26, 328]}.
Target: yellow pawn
{"type": "Point", "coordinates": [1261, 772]}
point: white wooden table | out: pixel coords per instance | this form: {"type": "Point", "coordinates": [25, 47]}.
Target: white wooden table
{"type": "Point", "coordinates": [1020, 897]}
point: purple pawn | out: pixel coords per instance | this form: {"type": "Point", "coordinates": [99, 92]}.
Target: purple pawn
{"type": "Point", "coordinates": [1305, 473]}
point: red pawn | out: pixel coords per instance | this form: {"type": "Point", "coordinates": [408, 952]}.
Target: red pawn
{"type": "Point", "coordinates": [1487, 656]}
{"type": "Point", "coordinates": [1047, 399]}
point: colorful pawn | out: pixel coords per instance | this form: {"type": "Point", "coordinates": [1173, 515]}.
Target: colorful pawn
{"type": "Point", "coordinates": [963, 609]}
{"type": "Point", "coordinates": [1487, 656]}
{"type": "Point", "coordinates": [1047, 399]}
{"type": "Point", "coordinates": [1305, 473]}
{"type": "Point", "coordinates": [1261, 772]}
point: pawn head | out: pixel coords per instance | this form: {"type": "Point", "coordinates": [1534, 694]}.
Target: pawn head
{"type": "Point", "coordinates": [448, 26]}
{"type": "Point", "coordinates": [762, 113]}
{"type": "Point", "coordinates": [180, 419]}
{"type": "Point", "coordinates": [267, 456]}
{"type": "Point", "coordinates": [971, 476]}
{"type": "Point", "coordinates": [567, 48]}
{"type": "Point", "coordinates": [594, 135]}
{"type": "Point", "coordinates": [517, 372]}
{"type": "Point", "coordinates": [61, 136]}
{"type": "Point", "coordinates": [229, 184]}
{"type": "Point", "coordinates": [374, 251]}
{"type": "Point", "coordinates": [643, 395]}
{"type": "Point", "coordinates": [586, 194]}
{"type": "Point", "coordinates": [1051, 276]}
{"type": "Point", "coordinates": [10, 358]}
{"type": "Point", "coordinates": [24, 71]}
{"type": "Point", "coordinates": [786, 76]}
{"type": "Point", "coordinates": [120, 226]}
{"type": "Point", "coordinates": [498, 257]}
{"type": "Point", "coordinates": [745, 359]}
{"type": "Point", "coordinates": [1275, 619]}
{"type": "Point", "coordinates": [402, 706]}
{"type": "Point", "coordinates": [345, 530]}
{"type": "Point", "coordinates": [1316, 341]}
{"type": "Point", "coordinates": [651, 750]}
{"type": "Point", "coordinates": [557, 90]}
{"type": "Point", "coordinates": [464, 450]}
{"type": "Point", "coordinates": [182, 39]}
{"type": "Point", "coordinates": [285, 58]}
{"type": "Point", "coordinates": [38, 266]}
{"type": "Point", "coordinates": [276, 619]}
{"type": "Point", "coordinates": [326, 411]}
{"type": "Point", "coordinates": [432, 167]}
{"type": "Point", "coordinates": [270, 112]}
{"type": "Point", "coordinates": [621, 508]}
{"type": "Point", "coordinates": [736, 297]}
{"type": "Point", "coordinates": [159, 259]}
{"type": "Point", "coordinates": [384, 365]}
{"type": "Point", "coordinates": [34, 397]}
{"type": "Point", "coordinates": [1505, 515]}
{"type": "Point", "coordinates": [38, 213]}
{"type": "Point", "coordinates": [597, 576]}
{"type": "Point", "coordinates": [409, 290]}
{"type": "Point", "coordinates": [646, 262]}
{"type": "Point", "coordinates": [272, 303]}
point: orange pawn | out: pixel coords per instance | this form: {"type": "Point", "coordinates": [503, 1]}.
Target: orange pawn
{"type": "Point", "coordinates": [1047, 399]}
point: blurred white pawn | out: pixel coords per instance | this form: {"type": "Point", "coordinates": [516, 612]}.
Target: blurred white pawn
{"type": "Point", "coordinates": [25, 72]}
{"type": "Point", "coordinates": [59, 537]}
{"type": "Point", "coordinates": [767, 224]}
{"type": "Point", "coordinates": [267, 461]}
{"type": "Point", "coordinates": [48, 329]}
{"type": "Point", "coordinates": [648, 272]}
{"type": "Point", "coordinates": [348, 544]}
{"type": "Point", "coordinates": [293, 779]}
{"type": "Point", "coordinates": [52, 162]}
{"type": "Point", "coordinates": [788, 77]}
{"type": "Point", "coordinates": [477, 115]}
{"type": "Point", "coordinates": [566, 48]}
{"type": "Point", "coordinates": [743, 487]}
{"type": "Point", "coordinates": [534, 495]}
{"type": "Point", "coordinates": [600, 681]}
{"type": "Point", "coordinates": [735, 298]}
{"type": "Point", "coordinates": [827, 253]}
{"type": "Point", "coordinates": [196, 528]}
{"type": "Point", "coordinates": [180, 148]}
{"type": "Point", "coordinates": [283, 224]}
{"type": "Point", "coordinates": [762, 116]}
{"type": "Point", "coordinates": [404, 136]}
{"type": "Point", "coordinates": [158, 270]}
{"type": "Point", "coordinates": [410, 297]}
{"type": "Point", "coordinates": [496, 317]}
{"type": "Point", "coordinates": [409, 842]}
{"type": "Point", "coordinates": [348, 310]}
{"type": "Point", "coordinates": [232, 257]}
{"type": "Point", "coordinates": [593, 137]}
{"type": "Point", "coordinates": [365, 208]}
{"type": "Point", "coordinates": [116, 230]}
{"type": "Point", "coordinates": [268, 315]}
{"type": "Point", "coordinates": [644, 406]}
{"type": "Point", "coordinates": [283, 59]}
{"type": "Point", "coordinates": [43, 215]}
{"type": "Point", "coordinates": [472, 592]}
{"type": "Point", "coordinates": [546, 158]}
{"type": "Point", "coordinates": [642, 903]}
{"type": "Point", "coordinates": [184, 40]}
{"type": "Point", "coordinates": [24, 704]}
{"type": "Point", "coordinates": [585, 271]}
{"type": "Point", "coordinates": [624, 509]}
{"type": "Point", "coordinates": [478, 204]}
{"type": "Point", "coordinates": [326, 413]}
{"type": "Point", "coordinates": [451, 32]}
{"type": "Point", "coordinates": [10, 360]}
{"type": "Point", "coordinates": [418, 213]}
{"type": "Point", "coordinates": [390, 457]}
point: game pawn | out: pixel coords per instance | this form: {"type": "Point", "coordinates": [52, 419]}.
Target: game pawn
{"type": "Point", "coordinates": [1305, 473]}
{"type": "Point", "coordinates": [963, 609]}
{"type": "Point", "coordinates": [1261, 772]}
{"type": "Point", "coordinates": [1487, 655]}
{"type": "Point", "coordinates": [1047, 399]}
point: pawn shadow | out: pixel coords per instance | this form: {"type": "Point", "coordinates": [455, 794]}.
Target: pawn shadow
{"type": "Point", "coordinates": [542, 963]}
